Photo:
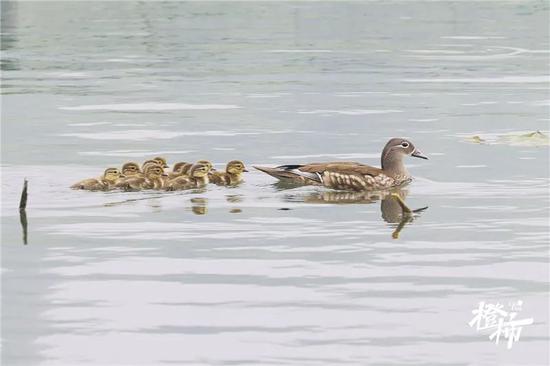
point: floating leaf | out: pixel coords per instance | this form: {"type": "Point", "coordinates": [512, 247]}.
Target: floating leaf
{"type": "Point", "coordinates": [536, 138]}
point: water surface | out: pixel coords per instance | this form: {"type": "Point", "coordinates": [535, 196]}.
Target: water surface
{"type": "Point", "coordinates": [262, 273]}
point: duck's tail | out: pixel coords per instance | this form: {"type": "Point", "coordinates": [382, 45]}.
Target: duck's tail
{"type": "Point", "coordinates": [290, 173]}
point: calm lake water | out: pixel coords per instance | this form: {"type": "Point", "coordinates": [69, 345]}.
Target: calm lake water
{"type": "Point", "coordinates": [263, 274]}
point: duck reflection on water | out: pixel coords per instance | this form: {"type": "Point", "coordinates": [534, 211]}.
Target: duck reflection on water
{"type": "Point", "coordinates": [392, 203]}
{"type": "Point", "coordinates": [199, 205]}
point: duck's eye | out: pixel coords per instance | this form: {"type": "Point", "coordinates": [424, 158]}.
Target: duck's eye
{"type": "Point", "coordinates": [405, 144]}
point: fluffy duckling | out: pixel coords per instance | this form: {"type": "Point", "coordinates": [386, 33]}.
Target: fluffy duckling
{"type": "Point", "coordinates": [148, 162]}
{"type": "Point", "coordinates": [207, 163]}
{"type": "Point", "coordinates": [152, 179]}
{"type": "Point", "coordinates": [186, 169]}
{"type": "Point", "coordinates": [231, 176]}
{"type": "Point", "coordinates": [131, 168]}
{"type": "Point", "coordinates": [198, 177]}
{"type": "Point", "coordinates": [177, 170]}
{"type": "Point", "coordinates": [103, 183]}
{"type": "Point", "coordinates": [161, 161]}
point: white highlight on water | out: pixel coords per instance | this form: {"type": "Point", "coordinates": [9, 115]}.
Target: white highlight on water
{"type": "Point", "coordinates": [128, 107]}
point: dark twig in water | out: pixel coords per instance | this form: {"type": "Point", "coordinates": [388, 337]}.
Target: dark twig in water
{"type": "Point", "coordinates": [24, 224]}
{"type": "Point", "coordinates": [23, 201]}
{"type": "Point", "coordinates": [23, 212]}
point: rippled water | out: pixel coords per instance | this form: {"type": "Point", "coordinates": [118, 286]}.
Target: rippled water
{"type": "Point", "coordinates": [262, 273]}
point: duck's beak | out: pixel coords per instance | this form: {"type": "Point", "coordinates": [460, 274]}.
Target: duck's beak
{"type": "Point", "coordinates": [164, 174]}
{"type": "Point", "coordinates": [245, 170]}
{"type": "Point", "coordinates": [418, 154]}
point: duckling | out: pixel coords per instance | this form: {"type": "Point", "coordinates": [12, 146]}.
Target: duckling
{"type": "Point", "coordinates": [128, 170]}
{"type": "Point", "coordinates": [131, 168]}
{"type": "Point", "coordinates": [151, 180]}
{"type": "Point", "coordinates": [186, 169]}
{"type": "Point", "coordinates": [198, 177]}
{"type": "Point", "coordinates": [231, 176]}
{"type": "Point", "coordinates": [148, 162]}
{"type": "Point", "coordinates": [161, 161]}
{"type": "Point", "coordinates": [207, 163]}
{"type": "Point", "coordinates": [177, 169]}
{"type": "Point", "coordinates": [103, 183]}
{"type": "Point", "coordinates": [199, 173]}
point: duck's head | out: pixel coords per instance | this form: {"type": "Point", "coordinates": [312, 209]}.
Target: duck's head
{"type": "Point", "coordinates": [235, 167]}
{"type": "Point", "coordinates": [154, 171]}
{"type": "Point", "coordinates": [177, 167]}
{"type": "Point", "coordinates": [112, 174]}
{"type": "Point", "coordinates": [146, 163]}
{"type": "Point", "coordinates": [397, 148]}
{"type": "Point", "coordinates": [199, 170]}
{"type": "Point", "coordinates": [207, 163]}
{"type": "Point", "coordinates": [161, 161]}
{"type": "Point", "coordinates": [130, 169]}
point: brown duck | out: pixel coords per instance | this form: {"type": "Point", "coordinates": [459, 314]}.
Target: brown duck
{"type": "Point", "coordinates": [105, 182]}
{"type": "Point", "coordinates": [231, 176]}
{"type": "Point", "coordinates": [352, 175]}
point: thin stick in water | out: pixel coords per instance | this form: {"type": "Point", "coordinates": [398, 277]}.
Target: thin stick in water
{"type": "Point", "coordinates": [23, 201]}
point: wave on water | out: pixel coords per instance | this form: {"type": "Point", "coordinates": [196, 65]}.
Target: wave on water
{"type": "Point", "coordinates": [335, 156]}
{"type": "Point", "coordinates": [298, 51]}
{"type": "Point", "coordinates": [351, 112]}
{"type": "Point", "coordinates": [502, 79]}
{"type": "Point", "coordinates": [472, 37]}
{"type": "Point", "coordinates": [69, 75]}
{"type": "Point", "coordinates": [144, 135]}
{"type": "Point", "coordinates": [88, 124]}
{"type": "Point", "coordinates": [130, 107]}
{"type": "Point", "coordinates": [133, 153]}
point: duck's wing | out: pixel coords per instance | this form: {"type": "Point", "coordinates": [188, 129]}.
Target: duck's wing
{"type": "Point", "coordinates": [344, 168]}
{"type": "Point", "coordinates": [288, 173]}
{"type": "Point", "coordinates": [312, 173]}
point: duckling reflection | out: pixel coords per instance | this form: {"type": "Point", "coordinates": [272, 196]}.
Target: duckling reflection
{"type": "Point", "coordinates": [234, 198]}
{"type": "Point", "coordinates": [199, 205]}
{"type": "Point", "coordinates": [392, 204]}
